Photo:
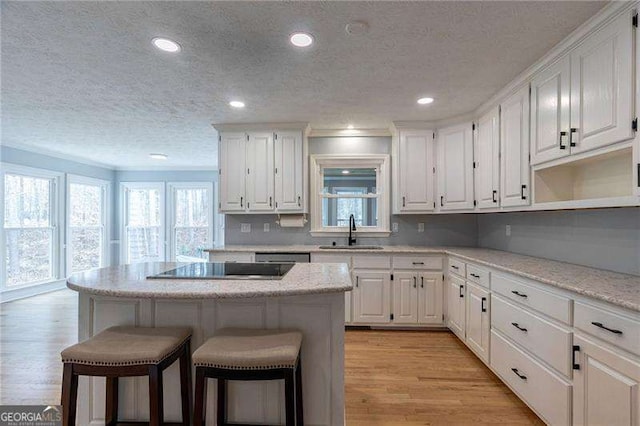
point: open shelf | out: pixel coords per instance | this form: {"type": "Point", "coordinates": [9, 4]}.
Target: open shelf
{"type": "Point", "coordinates": [600, 177]}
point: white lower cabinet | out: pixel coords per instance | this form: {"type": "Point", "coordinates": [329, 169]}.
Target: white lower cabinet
{"type": "Point", "coordinates": [371, 297]}
{"type": "Point", "coordinates": [417, 298]}
{"type": "Point", "coordinates": [606, 385]}
{"type": "Point", "coordinates": [430, 289]}
{"type": "Point", "coordinates": [405, 298]}
{"type": "Point", "coordinates": [545, 392]}
{"type": "Point", "coordinates": [455, 305]}
{"type": "Point", "coordinates": [477, 320]}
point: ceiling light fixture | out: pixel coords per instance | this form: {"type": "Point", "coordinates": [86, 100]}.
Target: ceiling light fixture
{"type": "Point", "coordinates": [301, 39]}
{"type": "Point", "coordinates": [237, 104]}
{"type": "Point", "coordinates": [425, 101]}
{"type": "Point", "coordinates": [157, 156]}
{"type": "Point", "coordinates": [166, 44]}
{"type": "Point", "coordinates": [345, 172]}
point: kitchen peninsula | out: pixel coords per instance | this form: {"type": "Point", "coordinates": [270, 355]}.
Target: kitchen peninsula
{"type": "Point", "coordinates": [309, 298]}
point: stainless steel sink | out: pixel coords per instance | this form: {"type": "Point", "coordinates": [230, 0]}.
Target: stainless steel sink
{"type": "Point", "coordinates": [351, 247]}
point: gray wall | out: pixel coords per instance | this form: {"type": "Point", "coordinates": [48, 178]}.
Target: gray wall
{"type": "Point", "coordinates": [603, 238]}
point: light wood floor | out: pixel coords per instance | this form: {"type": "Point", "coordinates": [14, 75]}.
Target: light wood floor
{"type": "Point", "coordinates": [392, 377]}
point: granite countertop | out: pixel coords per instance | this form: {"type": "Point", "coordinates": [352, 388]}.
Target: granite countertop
{"type": "Point", "coordinates": [131, 281]}
{"type": "Point", "coordinates": [618, 289]}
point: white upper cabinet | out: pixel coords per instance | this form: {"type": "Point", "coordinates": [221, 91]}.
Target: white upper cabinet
{"type": "Point", "coordinates": [515, 172]}
{"type": "Point", "coordinates": [487, 160]}
{"type": "Point", "coordinates": [550, 112]}
{"type": "Point", "coordinates": [455, 167]}
{"type": "Point", "coordinates": [260, 172]}
{"type": "Point", "coordinates": [289, 173]}
{"type": "Point", "coordinates": [415, 171]}
{"type": "Point", "coordinates": [232, 169]}
{"type": "Point", "coordinates": [602, 87]}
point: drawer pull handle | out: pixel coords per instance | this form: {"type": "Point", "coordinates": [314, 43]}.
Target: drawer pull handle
{"type": "Point", "coordinates": [475, 275]}
{"type": "Point", "coordinates": [516, 325]}
{"type": "Point", "coordinates": [576, 348]}
{"type": "Point", "coordinates": [461, 291]}
{"type": "Point", "coordinates": [418, 263]}
{"type": "Point", "coordinates": [517, 293]}
{"type": "Point", "coordinates": [455, 267]}
{"type": "Point", "coordinates": [612, 330]}
{"type": "Point", "coordinates": [483, 304]}
{"type": "Point", "coordinates": [517, 373]}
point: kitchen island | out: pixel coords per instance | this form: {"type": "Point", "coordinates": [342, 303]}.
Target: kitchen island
{"type": "Point", "coordinates": [309, 298]}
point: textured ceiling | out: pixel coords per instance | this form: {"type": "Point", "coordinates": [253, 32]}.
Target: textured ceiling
{"type": "Point", "coordinates": [82, 79]}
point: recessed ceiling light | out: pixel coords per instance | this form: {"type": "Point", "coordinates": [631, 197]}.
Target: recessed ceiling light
{"type": "Point", "coordinates": [345, 172]}
{"type": "Point", "coordinates": [166, 44]}
{"type": "Point", "coordinates": [424, 101]}
{"type": "Point", "coordinates": [350, 126]}
{"type": "Point", "coordinates": [158, 156]}
{"type": "Point", "coordinates": [301, 39]}
{"type": "Point", "coordinates": [237, 104]}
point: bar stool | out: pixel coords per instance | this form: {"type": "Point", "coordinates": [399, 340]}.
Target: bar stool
{"type": "Point", "coordinates": [248, 354]}
{"type": "Point", "coordinates": [125, 351]}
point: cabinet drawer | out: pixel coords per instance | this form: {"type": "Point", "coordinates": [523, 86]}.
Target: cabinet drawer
{"type": "Point", "coordinates": [478, 275]}
{"type": "Point", "coordinates": [620, 330]}
{"type": "Point", "coordinates": [546, 393]}
{"type": "Point", "coordinates": [457, 267]}
{"type": "Point", "coordinates": [547, 341]}
{"type": "Point", "coordinates": [372, 262]}
{"type": "Point", "coordinates": [558, 307]}
{"type": "Point", "coordinates": [417, 262]}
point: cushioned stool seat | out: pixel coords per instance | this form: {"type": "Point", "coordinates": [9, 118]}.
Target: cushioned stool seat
{"type": "Point", "coordinates": [249, 354]}
{"type": "Point", "coordinates": [126, 351]}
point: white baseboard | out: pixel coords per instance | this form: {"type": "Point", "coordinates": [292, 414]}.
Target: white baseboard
{"type": "Point", "coordinates": [10, 294]}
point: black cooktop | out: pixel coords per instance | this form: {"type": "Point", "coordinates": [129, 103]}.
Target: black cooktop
{"type": "Point", "coordinates": [227, 271]}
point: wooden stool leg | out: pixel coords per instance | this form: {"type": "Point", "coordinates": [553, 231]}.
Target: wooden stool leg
{"type": "Point", "coordinates": [156, 409]}
{"type": "Point", "coordinates": [299, 409]}
{"type": "Point", "coordinates": [222, 402]}
{"type": "Point", "coordinates": [111, 412]}
{"type": "Point", "coordinates": [69, 395]}
{"type": "Point", "coordinates": [289, 398]}
{"type": "Point", "coordinates": [185, 384]}
{"type": "Point", "coordinates": [200, 409]}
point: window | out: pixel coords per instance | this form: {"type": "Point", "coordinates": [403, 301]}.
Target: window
{"type": "Point", "coordinates": [30, 226]}
{"type": "Point", "coordinates": [191, 221]}
{"type": "Point", "coordinates": [343, 186]}
{"type": "Point", "coordinates": [143, 222]}
{"type": "Point", "coordinates": [87, 245]}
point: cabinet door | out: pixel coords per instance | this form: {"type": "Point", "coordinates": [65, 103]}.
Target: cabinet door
{"type": "Point", "coordinates": [455, 305]}
{"type": "Point", "coordinates": [405, 298]}
{"type": "Point", "coordinates": [515, 172]}
{"type": "Point", "coordinates": [372, 297]}
{"type": "Point", "coordinates": [602, 87]}
{"type": "Point", "coordinates": [289, 162]}
{"type": "Point", "coordinates": [455, 167]}
{"type": "Point", "coordinates": [550, 112]}
{"type": "Point", "coordinates": [430, 298]}
{"type": "Point", "coordinates": [487, 160]}
{"type": "Point", "coordinates": [605, 387]}
{"type": "Point", "coordinates": [260, 174]}
{"type": "Point", "coordinates": [478, 326]}
{"type": "Point", "coordinates": [232, 169]}
{"type": "Point", "coordinates": [415, 171]}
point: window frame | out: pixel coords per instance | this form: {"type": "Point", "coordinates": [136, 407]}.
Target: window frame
{"type": "Point", "coordinates": [105, 186]}
{"type": "Point", "coordinates": [171, 214]}
{"type": "Point", "coordinates": [127, 186]}
{"type": "Point", "coordinates": [56, 202]}
{"type": "Point", "coordinates": [380, 162]}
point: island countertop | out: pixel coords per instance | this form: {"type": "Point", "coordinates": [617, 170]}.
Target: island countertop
{"type": "Point", "coordinates": [131, 281]}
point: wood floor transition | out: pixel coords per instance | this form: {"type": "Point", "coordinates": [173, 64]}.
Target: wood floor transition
{"type": "Point", "coordinates": [392, 377]}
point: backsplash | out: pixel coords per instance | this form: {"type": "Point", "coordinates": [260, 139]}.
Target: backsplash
{"type": "Point", "coordinates": [439, 230]}
{"type": "Point", "coordinates": [603, 238]}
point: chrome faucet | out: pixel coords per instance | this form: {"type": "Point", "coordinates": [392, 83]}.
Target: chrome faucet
{"type": "Point", "coordinates": [352, 227]}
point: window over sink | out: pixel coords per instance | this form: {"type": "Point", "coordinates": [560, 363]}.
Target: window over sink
{"type": "Point", "coordinates": [343, 186]}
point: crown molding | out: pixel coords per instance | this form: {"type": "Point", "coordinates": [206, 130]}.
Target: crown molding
{"type": "Point", "coordinates": [55, 154]}
{"type": "Point", "coordinates": [352, 133]}
{"type": "Point", "coordinates": [250, 127]}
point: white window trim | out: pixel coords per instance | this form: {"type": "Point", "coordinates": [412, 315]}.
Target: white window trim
{"type": "Point", "coordinates": [126, 186]}
{"type": "Point", "coordinates": [171, 214]}
{"type": "Point", "coordinates": [105, 186]}
{"type": "Point", "coordinates": [383, 186]}
{"type": "Point", "coordinates": [58, 225]}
